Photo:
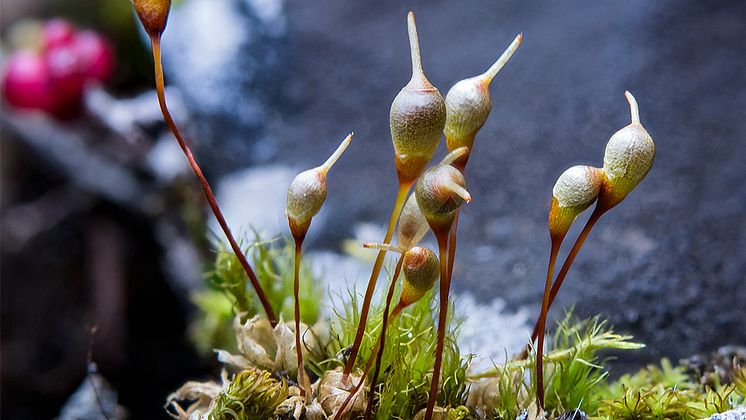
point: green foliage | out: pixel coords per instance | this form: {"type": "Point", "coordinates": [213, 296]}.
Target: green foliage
{"type": "Point", "coordinates": [408, 358]}
{"type": "Point", "coordinates": [739, 380]}
{"type": "Point", "coordinates": [574, 370]}
{"type": "Point", "coordinates": [574, 364]}
{"type": "Point", "coordinates": [665, 392]}
{"type": "Point", "coordinates": [252, 394]}
{"type": "Point", "coordinates": [231, 292]}
{"type": "Point", "coordinates": [510, 386]}
{"type": "Point", "coordinates": [274, 263]}
{"type": "Point", "coordinates": [571, 380]}
{"type": "Point", "coordinates": [667, 376]}
{"type": "Point", "coordinates": [210, 328]}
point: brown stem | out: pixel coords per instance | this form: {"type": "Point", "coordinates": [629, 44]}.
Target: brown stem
{"type": "Point", "coordinates": [303, 380]}
{"type": "Point", "coordinates": [160, 89]}
{"type": "Point", "coordinates": [382, 340]}
{"type": "Point", "coordinates": [379, 344]}
{"type": "Point", "coordinates": [556, 242]}
{"type": "Point", "coordinates": [397, 309]}
{"type": "Point", "coordinates": [452, 245]}
{"type": "Point", "coordinates": [401, 198]}
{"type": "Point", "coordinates": [445, 285]}
{"type": "Point", "coordinates": [597, 213]}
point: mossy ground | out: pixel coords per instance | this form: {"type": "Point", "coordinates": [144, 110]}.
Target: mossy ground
{"type": "Point", "coordinates": [576, 375]}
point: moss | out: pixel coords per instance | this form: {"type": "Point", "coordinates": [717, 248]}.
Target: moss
{"type": "Point", "coordinates": [408, 357]}
{"type": "Point", "coordinates": [252, 394]}
{"type": "Point", "coordinates": [576, 376]}
{"type": "Point", "coordinates": [667, 392]}
{"type": "Point", "coordinates": [230, 292]}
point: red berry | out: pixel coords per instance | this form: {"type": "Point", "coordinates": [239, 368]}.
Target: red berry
{"type": "Point", "coordinates": [96, 55]}
{"type": "Point", "coordinates": [57, 32]}
{"type": "Point", "coordinates": [27, 84]}
{"type": "Point", "coordinates": [66, 73]}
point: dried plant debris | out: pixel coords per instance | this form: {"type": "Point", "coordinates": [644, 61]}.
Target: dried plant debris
{"type": "Point", "coordinates": [716, 367]}
{"type": "Point", "coordinates": [273, 349]}
{"type": "Point", "coordinates": [332, 391]}
{"type": "Point", "coordinates": [249, 394]}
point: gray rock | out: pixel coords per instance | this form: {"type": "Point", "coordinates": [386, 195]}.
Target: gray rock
{"type": "Point", "coordinates": [666, 265]}
{"type": "Point", "coordinates": [737, 414]}
{"type": "Point", "coordinates": [225, 56]}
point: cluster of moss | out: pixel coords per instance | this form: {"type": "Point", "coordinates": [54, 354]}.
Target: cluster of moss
{"type": "Point", "coordinates": [576, 376]}
{"type": "Point", "coordinates": [406, 365]}
{"type": "Point", "coordinates": [228, 292]}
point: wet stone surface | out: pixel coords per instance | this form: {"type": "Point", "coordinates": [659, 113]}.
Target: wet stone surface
{"type": "Point", "coordinates": [666, 265]}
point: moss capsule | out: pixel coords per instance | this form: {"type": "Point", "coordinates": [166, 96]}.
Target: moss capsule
{"type": "Point", "coordinates": [417, 117]}
{"type": "Point", "coordinates": [307, 193]}
{"type": "Point", "coordinates": [575, 190]}
{"type": "Point", "coordinates": [628, 158]}
{"type": "Point", "coordinates": [468, 103]}
{"type": "Point", "coordinates": [153, 14]}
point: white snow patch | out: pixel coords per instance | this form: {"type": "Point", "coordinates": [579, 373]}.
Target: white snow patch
{"type": "Point", "coordinates": [490, 331]}
{"type": "Point", "coordinates": [166, 159]}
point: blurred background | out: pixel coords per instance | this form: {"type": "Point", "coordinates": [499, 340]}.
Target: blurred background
{"type": "Point", "coordinates": [101, 223]}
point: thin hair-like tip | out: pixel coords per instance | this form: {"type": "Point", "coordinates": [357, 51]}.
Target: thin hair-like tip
{"type": "Point", "coordinates": [633, 107]}
{"type": "Point", "coordinates": [503, 59]}
{"type": "Point", "coordinates": [337, 153]}
{"type": "Point", "coordinates": [458, 190]}
{"type": "Point", "coordinates": [414, 44]}
{"type": "Point", "coordinates": [455, 155]}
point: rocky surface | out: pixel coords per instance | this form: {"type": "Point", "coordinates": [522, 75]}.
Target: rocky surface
{"type": "Point", "coordinates": [667, 264]}
{"type": "Point", "coordinates": [283, 84]}
{"type": "Point", "coordinates": [737, 414]}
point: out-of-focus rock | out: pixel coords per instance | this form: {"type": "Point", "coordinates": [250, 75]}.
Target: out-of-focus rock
{"type": "Point", "coordinates": [226, 58]}
{"type": "Point", "coordinates": [93, 400]}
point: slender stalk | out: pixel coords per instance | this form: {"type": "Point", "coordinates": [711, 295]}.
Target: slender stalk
{"type": "Point", "coordinates": [382, 340]}
{"type": "Point", "coordinates": [160, 89]}
{"type": "Point", "coordinates": [597, 213]}
{"type": "Point", "coordinates": [401, 198]}
{"type": "Point", "coordinates": [452, 245]}
{"type": "Point", "coordinates": [445, 285]}
{"type": "Point", "coordinates": [379, 344]}
{"type": "Point", "coordinates": [303, 380]}
{"type": "Point", "coordinates": [556, 242]}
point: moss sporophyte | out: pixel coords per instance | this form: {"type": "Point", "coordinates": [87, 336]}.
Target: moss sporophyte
{"type": "Point", "coordinates": [374, 360]}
